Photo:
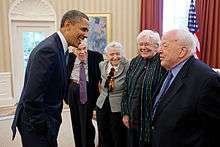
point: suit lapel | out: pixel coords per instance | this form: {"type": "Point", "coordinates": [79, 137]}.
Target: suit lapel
{"type": "Point", "coordinates": [70, 65]}
{"type": "Point", "coordinates": [104, 72]}
{"type": "Point", "coordinates": [90, 64]}
{"type": "Point", "coordinates": [62, 59]}
{"type": "Point", "coordinates": [120, 70]}
{"type": "Point", "coordinates": [167, 98]}
{"type": "Point", "coordinates": [173, 89]}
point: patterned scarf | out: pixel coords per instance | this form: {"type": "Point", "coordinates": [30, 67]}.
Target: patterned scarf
{"type": "Point", "coordinates": [142, 80]}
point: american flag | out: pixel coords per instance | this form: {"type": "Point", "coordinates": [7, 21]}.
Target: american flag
{"type": "Point", "coordinates": [193, 27]}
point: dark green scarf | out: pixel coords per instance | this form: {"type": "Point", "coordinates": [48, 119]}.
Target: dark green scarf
{"type": "Point", "coordinates": [142, 80]}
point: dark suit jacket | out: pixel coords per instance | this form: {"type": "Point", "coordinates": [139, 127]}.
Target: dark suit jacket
{"type": "Point", "coordinates": [45, 84]}
{"type": "Point", "coordinates": [94, 75]}
{"type": "Point", "coordinates": [189, 113]}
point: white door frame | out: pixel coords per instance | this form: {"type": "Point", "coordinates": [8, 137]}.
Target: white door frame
{"type": "Point", "coordinates": [18, 27]}
{"type": "Point", "coordinates": [39, 16]}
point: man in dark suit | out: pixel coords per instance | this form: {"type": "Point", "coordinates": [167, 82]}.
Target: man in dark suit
{"type": "Point", "coordinates": [186, 112]}
{"type": "Point", "coordinates": [38, 114]}
{"type": "Point", "coordinates": [82, 111]}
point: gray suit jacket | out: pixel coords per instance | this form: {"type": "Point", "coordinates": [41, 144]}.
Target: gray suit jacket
{"type": "Point", "coordinates": [116, 94]}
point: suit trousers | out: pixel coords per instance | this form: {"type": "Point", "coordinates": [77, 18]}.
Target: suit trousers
{"type": "Point", "coordinates": [112, 133]}
{"type": "Point", "coordinates": [81, 116]}
{"type": "Point", "coordinates": [33, 138]}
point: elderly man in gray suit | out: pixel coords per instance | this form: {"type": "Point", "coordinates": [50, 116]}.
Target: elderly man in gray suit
{"type": "Point", "coordinates": [112, 133]}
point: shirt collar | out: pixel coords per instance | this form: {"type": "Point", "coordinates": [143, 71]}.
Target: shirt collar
{"type": "Point", "coordinates": [77, 61]}
{"type": "Point", "coordinates": [63, 40]}
{"type": "Point", "coordinates": [110, 66]}
{"type": "Point", "coordinates": [177, 68]}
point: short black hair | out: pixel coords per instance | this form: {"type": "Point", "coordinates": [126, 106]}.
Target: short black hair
{"type": "Point", "coordinates": [74, 16]}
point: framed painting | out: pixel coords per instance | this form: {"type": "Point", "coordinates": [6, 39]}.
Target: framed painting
{"type": "Point", "coordinates": [99, 31]}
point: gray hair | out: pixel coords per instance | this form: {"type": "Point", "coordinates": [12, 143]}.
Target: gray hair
{"type": "Point", "coordinates": [73, 16]}
{"type": "Point", "coordinates": [153, 36]}
{"type": "Point", "coordinates": [187, 37]}
{"type": "Point", "coordinates": [115, 44]}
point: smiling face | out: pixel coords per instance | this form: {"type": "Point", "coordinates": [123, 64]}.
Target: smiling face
{"type": "Point", "coordinates": [75, 32]}
{"type": "Point", "coordinates": [147, 49]}
{"type": "Point", "coordinates": [113, 55]}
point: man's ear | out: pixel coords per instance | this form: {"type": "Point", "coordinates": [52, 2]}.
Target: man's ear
{"type": "Point", "coordinates": [67, 24]}
{"type": "Point", "coordinates": [183, 52]}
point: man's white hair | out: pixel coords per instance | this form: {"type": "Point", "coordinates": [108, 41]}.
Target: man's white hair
{"type": "Point", "coordinates": [187, 37]}
{"type": "Point", "coordinates": [152, 36]}
{"type": "Point", "coordinates": [115, 44]}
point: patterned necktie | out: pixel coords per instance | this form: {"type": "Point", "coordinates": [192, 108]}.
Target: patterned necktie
{"type": "Point", "coordinates": [111, 81]}
{"type": "Point", "coordinates": [82, 84]}
{"type": "Point", "coordinates": [163, 90]}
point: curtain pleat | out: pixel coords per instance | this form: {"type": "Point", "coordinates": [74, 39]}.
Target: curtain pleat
{"type": "Point", "coordinates": [152, 15]}
{"type": "Point", "coordinates": [209, 32]}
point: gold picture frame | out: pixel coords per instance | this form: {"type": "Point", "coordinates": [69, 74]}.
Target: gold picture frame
{"type": "Point", "coordinates": [99, 31]}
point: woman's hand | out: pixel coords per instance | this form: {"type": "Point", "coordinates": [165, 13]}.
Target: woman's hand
{"type": "Point", "coordinates": [125, 120]}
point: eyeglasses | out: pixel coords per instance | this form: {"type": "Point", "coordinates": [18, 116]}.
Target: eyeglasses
{"type": "Point", "coordinates": [109, 84]}
{"type": "Point", "coordinates": [81, 49]}
{"type": "Point", "coordinates": [147, 44]}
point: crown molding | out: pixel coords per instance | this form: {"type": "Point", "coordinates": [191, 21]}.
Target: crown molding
{"type": "Point", "coordinates": [32, 10]}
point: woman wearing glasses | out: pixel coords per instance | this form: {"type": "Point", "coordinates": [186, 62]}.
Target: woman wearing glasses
{"type": "Point", "coordinates": [112, 132]}
{"type": "Point", "coordinates": [143, 78]}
